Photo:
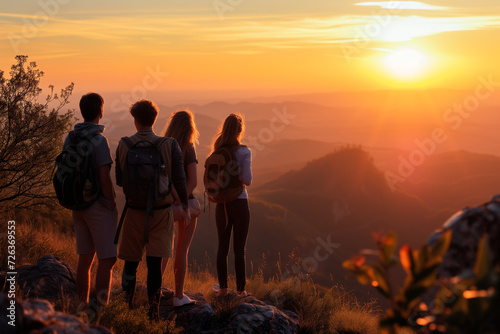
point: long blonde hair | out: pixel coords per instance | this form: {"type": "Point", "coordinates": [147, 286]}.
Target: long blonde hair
{"type": "Point", "coordinates": [231, 132]}
{"type": "Point", "coordinates": [182, 128]}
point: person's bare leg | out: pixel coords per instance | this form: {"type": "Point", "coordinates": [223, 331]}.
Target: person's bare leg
{"type": "Point", "coordinates": [185, 236]}
{"type": "Point", "coordinates": [83, 276]}
{"type": "Point", "coordinates": [103, 280]}
{"type": "Point", "coordinates": [164, 262]}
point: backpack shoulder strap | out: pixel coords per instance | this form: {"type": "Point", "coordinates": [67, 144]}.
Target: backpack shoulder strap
{"type": "Point", "coordinates": [231, 151]}
{"type": "Point", "coordinates": [235, 148]}
{"type": "Point", "coordinates": [166, 153]}
{"type": "Point", "coordinates": [128, 142]}
{"type": "Point", "coordinates": [227, 150]}
{"type": "Point", "coordinates": [160, 141]}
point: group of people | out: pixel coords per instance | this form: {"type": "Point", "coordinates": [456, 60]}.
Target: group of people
{"type": "Point", "coordinates": [152, 230]}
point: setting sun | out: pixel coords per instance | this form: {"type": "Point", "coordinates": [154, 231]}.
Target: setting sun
{"type": "Point", "coordinates": [406, 63]}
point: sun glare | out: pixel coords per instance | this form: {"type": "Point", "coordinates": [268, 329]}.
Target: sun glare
{"type": "Point", "coordinates": [407, 63]}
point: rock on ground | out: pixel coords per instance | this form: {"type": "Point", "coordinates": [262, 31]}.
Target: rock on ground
{"type": "Point", "coordinates": [468, 227]}
{"type": "Point", "coordinates": [254, 316]}
{"type": "Point", "coordinates": [250, 316]}
{"type": "Point", "coordinates": [54, 280]}
{"type": "Point", "coordinates": [50, 279]}
{"type": "Point", "coordinates": [38, 316]}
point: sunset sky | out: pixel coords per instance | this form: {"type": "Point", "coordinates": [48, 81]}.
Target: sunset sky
{"type": "Point", "coordinates": [260, 46]}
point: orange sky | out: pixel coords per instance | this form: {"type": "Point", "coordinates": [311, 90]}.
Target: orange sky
{"type": "Point", "coordinates": [252, 46]}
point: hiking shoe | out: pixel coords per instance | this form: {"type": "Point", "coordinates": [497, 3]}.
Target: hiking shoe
{"type": "Point", "coordinates": [154, 314]}
{"type": "Point", "coordinates": [242, 293]}
{"type": "Point", "coordinates": [183, 301]}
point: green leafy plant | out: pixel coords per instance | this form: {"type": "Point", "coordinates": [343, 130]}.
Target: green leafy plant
{"type": "Point", "coordinates": [420, 267]}
{"type": "Point", "coordinates": [469, 303]}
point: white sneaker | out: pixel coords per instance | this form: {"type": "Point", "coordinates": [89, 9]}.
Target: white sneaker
{"type": "Point", "coordinates": [183, 301]}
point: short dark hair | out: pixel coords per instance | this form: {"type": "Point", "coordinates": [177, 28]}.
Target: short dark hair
{"type": "Point", "coordinates": [145, 112]}
{"type": "Point", "coordinates": [91, 106]}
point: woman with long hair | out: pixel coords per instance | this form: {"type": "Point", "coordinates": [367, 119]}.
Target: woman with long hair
{"type": "Point", "coordinates": [234, 216]}
{"type": "Point", "coordinates": [183, 128]}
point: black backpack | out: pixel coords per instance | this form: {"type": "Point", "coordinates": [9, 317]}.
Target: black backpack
{"type": "Point", "coordinates": [222, 177]}
{"type": "Point", "coordinates": [76, 179]}
{"type": "Point", "coordinates": [145, 178]}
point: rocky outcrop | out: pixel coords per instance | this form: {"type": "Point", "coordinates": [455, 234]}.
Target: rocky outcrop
{"type": "Point", "coordinates": [50, 279]}
{"type": "Point", "coordinates": [254, 316]}
{"type": "Point", "coordinates": [468, 227]}
{"type": "Point", "coordinates": [249, 316]}
{"type": "Point", "coordinates": [38, 316]}
{"type": "Point", "coordinates": [194, 318]}
{"type": "Point", "coordinates": [53, 280]}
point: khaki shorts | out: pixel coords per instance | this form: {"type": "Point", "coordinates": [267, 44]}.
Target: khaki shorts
{"type": "Point", "coordinates": [95, 230]}
{"type": "Point", "coordinates": [132, 237]}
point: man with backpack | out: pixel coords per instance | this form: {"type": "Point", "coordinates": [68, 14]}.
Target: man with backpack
{"type": "Point", "coordinates": [89, 192]}
{"type": "Point", "coordinates": [146, 166]}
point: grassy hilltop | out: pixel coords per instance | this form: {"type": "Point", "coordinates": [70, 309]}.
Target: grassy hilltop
{"type": "Point", "coordinates": [320, 309]}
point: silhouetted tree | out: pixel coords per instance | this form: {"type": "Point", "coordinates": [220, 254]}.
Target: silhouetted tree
{"type": "Point", "coordinates": [30, 136]}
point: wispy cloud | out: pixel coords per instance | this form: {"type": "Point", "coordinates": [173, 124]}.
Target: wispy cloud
{"type": "Point", "coordinates": [15, 15]}
{"type": "Point", "coordinates": [403, 29]}
{"type": "Point", "coordinates": [61, 54]}
{"type": "Point", "coordinates": [410, 5]}
{"type": "Point", "coordinates": [305, 32]}
{"type": "Point", "coordinates": [241, 34]}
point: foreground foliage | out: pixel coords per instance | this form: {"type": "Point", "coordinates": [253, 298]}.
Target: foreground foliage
{"type": "Point", "coordinates": [469, 303]}
{"type": "Point", "coordinates": [30, 136]}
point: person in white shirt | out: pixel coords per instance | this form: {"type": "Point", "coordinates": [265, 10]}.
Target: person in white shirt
{"type": "Point", "coordinates": [237, 219]}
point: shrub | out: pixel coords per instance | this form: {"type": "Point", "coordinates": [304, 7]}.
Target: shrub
{"type": "Point", "coordinates": [468, 303]}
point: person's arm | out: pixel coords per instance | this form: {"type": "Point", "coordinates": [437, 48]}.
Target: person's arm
{"type": "Point", "coordinates": [104, 161]}
{"type": "Point", "coordinates": [178, 175]}
{"type": "Point", "coordinates": [118, 168]}
{"type": "Point", "coordinates": [192, 178]}
{"type": "Point", "coordinates": [177, 201]}
{"type": "Point", "coordinates": [246, 168]}
{"type": "Point", "coordinates": [106, 186]}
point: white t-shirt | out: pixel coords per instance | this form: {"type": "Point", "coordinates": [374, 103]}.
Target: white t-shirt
{"type": "Point", "coordinates": [244, 157]}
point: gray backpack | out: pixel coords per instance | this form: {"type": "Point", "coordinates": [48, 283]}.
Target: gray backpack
{"type": "Point", "coordinates": [145, 178]}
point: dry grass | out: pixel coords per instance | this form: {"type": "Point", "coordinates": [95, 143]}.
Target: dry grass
{"type": "Point", "coordinates": [33, 243]}
{"type": "Point", "coordinates": [122, 320]}
{"type": "Point", "coordinates": [320, 310]}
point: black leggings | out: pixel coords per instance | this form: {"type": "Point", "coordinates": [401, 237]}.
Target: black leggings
{"type": "Point", "coordinates": [153, 284]}
{"type": "Point", "coordinates": [238, 215]}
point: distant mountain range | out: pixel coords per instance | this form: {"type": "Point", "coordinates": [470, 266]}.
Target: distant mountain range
{"type": "Point", "coordinates": [344, 197]}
